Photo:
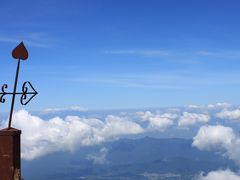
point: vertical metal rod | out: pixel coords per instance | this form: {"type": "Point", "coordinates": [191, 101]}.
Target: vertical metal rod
{"type": "Point", "coordinates": [14, 94]}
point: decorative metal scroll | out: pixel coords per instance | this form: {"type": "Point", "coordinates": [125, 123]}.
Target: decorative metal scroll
{"type": "Point", "coordinates": [28, 92]}
{"type": "Point", "coordinates": [27, 89]}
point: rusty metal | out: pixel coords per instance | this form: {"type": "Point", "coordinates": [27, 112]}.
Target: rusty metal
{"type": "Point", "coordinates": [19, 53]}
{"type": "Point", "coordinates": [10, 145]}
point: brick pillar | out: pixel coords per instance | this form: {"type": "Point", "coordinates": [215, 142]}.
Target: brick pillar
{"type": "Point", "coordinates": [10, 160]}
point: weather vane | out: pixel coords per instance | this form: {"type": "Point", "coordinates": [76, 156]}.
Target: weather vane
{"type": "Point", "coordinates": [19, 53]}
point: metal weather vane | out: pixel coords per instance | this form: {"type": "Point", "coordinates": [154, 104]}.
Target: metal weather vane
{"type": "Point", "coordinates": [19, 53]}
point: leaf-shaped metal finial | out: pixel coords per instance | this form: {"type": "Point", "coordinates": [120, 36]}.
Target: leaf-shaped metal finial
{"type": "Point", "coordinates": [20, 52]}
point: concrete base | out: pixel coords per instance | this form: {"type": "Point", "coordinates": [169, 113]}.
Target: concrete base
{"type": "Point", "coordinates": [10, 160]}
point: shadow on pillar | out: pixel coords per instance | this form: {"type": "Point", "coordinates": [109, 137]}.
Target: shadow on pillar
{"type": "Point", "coordinates": [10, 160]}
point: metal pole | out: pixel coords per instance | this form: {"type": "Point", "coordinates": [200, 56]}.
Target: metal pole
{"type": "Point", "coordinates": [14, 94]}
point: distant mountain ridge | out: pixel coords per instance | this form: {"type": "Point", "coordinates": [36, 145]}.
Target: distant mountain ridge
{"type": "Point", "coordinates": [145, 158]}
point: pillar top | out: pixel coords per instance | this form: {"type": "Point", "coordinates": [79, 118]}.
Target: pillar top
{"type": "Point", "coordinates": [10, 132]}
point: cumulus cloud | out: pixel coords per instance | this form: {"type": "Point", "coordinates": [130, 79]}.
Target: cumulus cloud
{"type": "Point", "coordinates": [189, 119]}
{"type": "Point", "coordinates": [144, 115]}
{"type": "Point", "coordinates": [210, 137]}
{"type": "Point", "coordinates": [219, 138]}
{"type": "Point", "coordinates": [229, 114]}
{"type": "Point", "coordinates": [115, 126]}
{"type": "Point", "coordinates": [220, 175]}
{"type": "Point", "coordinates": [157, 121]}
{"type": "Point", "coordinates": [41, 137]}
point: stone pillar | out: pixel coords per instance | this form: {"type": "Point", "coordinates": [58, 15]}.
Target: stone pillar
{"type": "Point", "coordinates": [10, 160]}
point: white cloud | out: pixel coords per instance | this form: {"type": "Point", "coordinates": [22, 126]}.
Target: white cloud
{"type": "Point", "coordinates": [192, 106]}
{"type": "Point", "coordinates": [214, 106]}
{"type": "Point", "coordinates": [219, 105]}
{"type": "Point", "coordinates": [72, 108]}
{"type": "Point", "coordinates": [157, 121]}
{"type": "Point", "coordinates": [211, 137]}
{"type": "Point", "coordinates": [219, 138]}
{"type": "Point", "coordinates": [41, 137]}
{"type": "Point", "coordinates": [188, 119]}
{"type": "Point", "coordinates": [144, 115]}
{"type": "Point", "coordinates": [100, 157]}
{"type": "Point", "coordinates": [220, 175]}
{"type": "Point", "coordinates": [115, 126]}
{"type": "Point", "coordinates": [229, 114]}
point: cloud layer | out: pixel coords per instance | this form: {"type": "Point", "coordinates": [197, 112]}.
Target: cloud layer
{"type": "Point", "coordinates": [41, 137]}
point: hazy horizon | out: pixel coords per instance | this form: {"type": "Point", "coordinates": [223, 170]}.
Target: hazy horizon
{"type": "Point", "coordinates": [110, 73]}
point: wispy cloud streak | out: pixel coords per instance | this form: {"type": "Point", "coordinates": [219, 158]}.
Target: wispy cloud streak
{"type": "Point", "coordinates": [36, 39]}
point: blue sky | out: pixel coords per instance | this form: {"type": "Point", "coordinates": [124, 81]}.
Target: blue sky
{"type": "Point", "coordinates": [107, 54]}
